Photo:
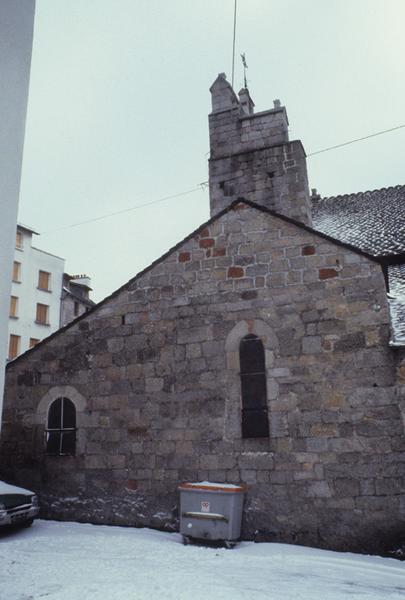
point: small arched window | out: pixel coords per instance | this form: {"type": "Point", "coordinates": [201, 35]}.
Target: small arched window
{"type": "Point", "coordinates": [255, 421]}
{"type": "Point", "coordinates": [61, 428]}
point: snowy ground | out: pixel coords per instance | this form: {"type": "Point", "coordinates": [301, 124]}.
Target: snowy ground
{"type": "Point", "coordinates": [71, 561]}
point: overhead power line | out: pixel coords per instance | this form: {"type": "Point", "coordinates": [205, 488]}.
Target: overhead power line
{"type": "Point", "coordinates": [202, 186]}
{"type": "Point", "coordinates": [366, 137]}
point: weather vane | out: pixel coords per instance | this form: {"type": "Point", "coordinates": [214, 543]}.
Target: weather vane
{"type": "Point", "coordinates": [243, 57]}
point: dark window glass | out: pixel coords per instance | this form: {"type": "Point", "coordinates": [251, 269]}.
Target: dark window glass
{"type": "Point", "coordinates": [253, 385]}
{"type": "Point", "coordinates": [254, 390]}
{"type": "Point", "coordinates": [54, 414]}
{"type": "Point", "coordinates": [68, 442]}
{"type": "Point", "coordinates": [251, 355]}
{"type": "Point", "coordinates": [61, 427]}
{"type": "Point", "coordinates": [69, 414]}
{"type": "Point", "coordinates": [53, 442]}
{"type": "Point", "coordinates": [255, 423]}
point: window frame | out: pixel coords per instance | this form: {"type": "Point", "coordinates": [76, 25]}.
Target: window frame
{"type": "Point", "coordinates": [253, 385]}
{"type": "Point", "coordinates": [61, 430]}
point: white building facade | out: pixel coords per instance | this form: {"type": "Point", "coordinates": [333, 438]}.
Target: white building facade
{"type": "Point", "coordinates": [16, 33]}
{"type": "Point", "coordinates": [35, 302]}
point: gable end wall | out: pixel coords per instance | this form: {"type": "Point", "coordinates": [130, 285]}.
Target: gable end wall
{"type": "Point", "coordinates": [155, 375]}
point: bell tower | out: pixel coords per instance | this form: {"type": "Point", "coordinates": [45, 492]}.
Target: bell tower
{"type": "Point", "coordinates": [251, 156]}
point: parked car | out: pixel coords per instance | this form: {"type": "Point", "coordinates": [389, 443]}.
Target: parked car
{"type": "Point", "coordinates": [17, 505]}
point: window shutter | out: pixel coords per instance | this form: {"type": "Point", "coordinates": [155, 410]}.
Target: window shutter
{"type": "Point", "coordinates": [19, 240]}
{"type": "Point", "coordinates": [42, 314]}
{"type": "Point", "coordinates": [13, 346]}
{"type": "Point", "coordinates": [13, 306]}
{"type": "Point", "coordinates": [43, 280]}
{"type": "Point", "coordinates": [16, 271]}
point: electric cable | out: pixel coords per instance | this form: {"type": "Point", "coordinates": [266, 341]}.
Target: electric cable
{"type": "Point", "coordinates": [366, 137]}
{"type": "Point", "coordinates": [126, 210]}
{"type": "Point", "coordinates": [204, 184]}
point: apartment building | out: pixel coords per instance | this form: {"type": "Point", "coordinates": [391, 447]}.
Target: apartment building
{"type": "Point", "coordinates": [43, 297]}
{"type": "Point", "coordinates": [35, 293]}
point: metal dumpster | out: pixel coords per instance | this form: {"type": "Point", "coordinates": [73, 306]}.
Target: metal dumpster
{"type": "Point", "coordinates": [211, 511]}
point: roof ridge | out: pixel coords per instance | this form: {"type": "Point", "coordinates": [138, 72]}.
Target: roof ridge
{"type": "Point", "coordinates": [177, 246]}
{"type": "Point", "coordinates": [356, 194]}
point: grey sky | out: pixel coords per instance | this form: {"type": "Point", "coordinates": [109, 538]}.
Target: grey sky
{"type": "Point", "coordinates": [119, 99]}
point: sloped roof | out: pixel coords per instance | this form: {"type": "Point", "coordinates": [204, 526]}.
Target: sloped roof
{"type": "Point", "coordinates": [374, 221]}
{"type": "Point", "coordinates": [87, 301]}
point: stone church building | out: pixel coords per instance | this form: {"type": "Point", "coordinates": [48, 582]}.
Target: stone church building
{"type": "Point", "coordinates": [262, 349]}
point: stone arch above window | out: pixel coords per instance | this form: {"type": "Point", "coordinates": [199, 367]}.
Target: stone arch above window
{"type": "Point", "coordinates": [244, 328]}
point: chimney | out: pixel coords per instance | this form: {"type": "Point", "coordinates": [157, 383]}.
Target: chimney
{"type": "Point", "coordinates": [246, 103]}
{"type": "Point", "coordinates": [315, 195]}
{"type": "Point", "coordinates": [222, 95]}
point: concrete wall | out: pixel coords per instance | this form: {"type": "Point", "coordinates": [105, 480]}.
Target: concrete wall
{"type": "Point", "coordinates": [33, 260]}
{"type": "Point", "coordinates": [154, 375]}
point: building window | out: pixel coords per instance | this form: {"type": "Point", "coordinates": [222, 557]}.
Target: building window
{"type": "Point", "coordinates": [13, 346]}
{"type": "Point", "coordinates": [13, 307]}
{"type": "Point", "coordinates": [16, 271]}
{"type": "Point", "coordinates": [44, 280]}
{"type": "Point", "coordinates": [61, 428]}
{"type": "Point", "coordinates": [42, 316]}
{"type": "Point", "coordinates": [253, 384]}
{"type": "Point", "coordinates": [34, 342]}
{"type": "Point", "coordinates": [19, 240]}
{"type": "Point", "coordinates": [76, 309]}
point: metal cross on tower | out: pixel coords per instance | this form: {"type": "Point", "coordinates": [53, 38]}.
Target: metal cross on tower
{"type": "Point", "coordinates": [243, 57]}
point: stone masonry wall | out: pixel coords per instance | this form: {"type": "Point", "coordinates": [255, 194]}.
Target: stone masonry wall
{"type": "Point", "coordinates": [153, 372]}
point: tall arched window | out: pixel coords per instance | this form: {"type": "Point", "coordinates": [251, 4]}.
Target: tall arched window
{"type": "Point", "coordinates": [61, 428]}
{"type": "Point", "coordinates": [255, 421]}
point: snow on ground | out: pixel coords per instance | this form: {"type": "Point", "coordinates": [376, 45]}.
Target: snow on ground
{"type": "Point", "coordinates": [72, 561]}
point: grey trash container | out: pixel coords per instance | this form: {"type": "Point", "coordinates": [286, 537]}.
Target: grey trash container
{"type": "Point", "coordinates": [211, 511]}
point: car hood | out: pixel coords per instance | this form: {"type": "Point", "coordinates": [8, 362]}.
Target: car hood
{"type": "Point", "coordinates": [6, 488]}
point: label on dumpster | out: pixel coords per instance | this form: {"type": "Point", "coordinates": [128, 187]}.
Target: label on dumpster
{"type": "Point", "coordinates": [205, 506]}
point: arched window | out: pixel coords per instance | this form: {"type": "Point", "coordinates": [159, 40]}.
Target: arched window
{"type": "Point", "coordinates": [255, 421]}
{"type": "Point", "coordinates": [61, 428]}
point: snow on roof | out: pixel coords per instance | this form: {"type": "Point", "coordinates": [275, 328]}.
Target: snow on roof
{"type": "Point", "coordinates": [374, 221]}
{"type": "Point", "coordinates": [396, 299]}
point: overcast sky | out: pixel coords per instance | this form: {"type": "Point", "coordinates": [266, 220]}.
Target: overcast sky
{"type": "Point", "coordinates": [118, 106]}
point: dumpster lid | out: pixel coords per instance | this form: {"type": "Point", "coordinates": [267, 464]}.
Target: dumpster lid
{"type": "Point", "coordinates": [211, 486]}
